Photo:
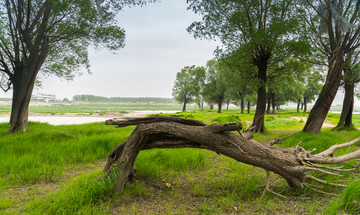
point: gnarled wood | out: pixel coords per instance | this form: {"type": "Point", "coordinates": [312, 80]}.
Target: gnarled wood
{"type": "Point", "coordinates": [293, 164]}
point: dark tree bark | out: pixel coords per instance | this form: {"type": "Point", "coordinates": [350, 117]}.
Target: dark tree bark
{"type": "Point", "coordinates": [211, 106]}
{"type": "Point", "coordinates": [261, 61]}
{"type": "Point", "coordinates": [348, 106]}
{"type": "Point", "coordinates": [322, 105]}
{"type": "Point", "coordinates": [242, 105]}
{"type": "Point", "coordinates": [295, 165]}
{"type": "Point", "coordinates": [227, 105]}
{"type": "Point", "coordinates": [302, 106]}
{"type": "Point", "coordinates": [220, 106]}
{"type": "Point", "coordinates": [248, 106]}
{"type": "Point", "coordinates": [305, 104]}
{"type": "Point", "coordinates": [298, 106]}
{"type": "Point", "coordinates": [268, 106]}
{"type": "Point", "coordinates": [273, 103]}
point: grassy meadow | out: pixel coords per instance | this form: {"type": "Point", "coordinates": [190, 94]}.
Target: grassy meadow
{"type": "Point", "coordinates": [54, 170]}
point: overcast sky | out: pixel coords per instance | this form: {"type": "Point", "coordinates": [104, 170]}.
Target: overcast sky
{"type": "Point", "coordinates": [157, 47]}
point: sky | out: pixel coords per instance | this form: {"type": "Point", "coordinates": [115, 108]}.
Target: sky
{"type": "Point", "coordinates": [157, 47]}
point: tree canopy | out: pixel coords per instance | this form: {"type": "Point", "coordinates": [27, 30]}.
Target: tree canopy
{"type": "Point", "coordinates": [52, 36]}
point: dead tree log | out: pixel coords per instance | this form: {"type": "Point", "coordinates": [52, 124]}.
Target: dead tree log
{"type": "Point", "coordinates": [295, 165]}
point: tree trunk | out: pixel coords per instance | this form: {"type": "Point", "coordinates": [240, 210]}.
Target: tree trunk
{"type": "Point", "coordinates": [298, 106]}
{"type": "Point", "coordinates": [23, 84]}
{"type": "Point", "coordinates": [322, 105]}
{"type": "Point", "coordinates": [242, 105]}
{"type": "Point", "coordinates": [258, 122]}
{"type": "Point", "coordinates": [348, 106]}
{"type": "Point", "coordinates": [211, 106]}
{"type": "Point", "coordinates": [220, 106]}
{"type": "Point", "coordinates": [273, 104]}
{"type": "Point", "coordinates": [248, 106]}
{"type": "Point", "coordinates": [302, 106]}
{"type": "Point", "coordinates": [295, 165]}
{"type": "Point", "coordinates": [305, 104]}
{"type": "Point", "coordinates": [184, 106]}
{"type": "Point", "coordinates": [268, 107]}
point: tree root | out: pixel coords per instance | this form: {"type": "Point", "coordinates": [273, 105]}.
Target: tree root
{"type": "Point", "coordinates": [295, 165]}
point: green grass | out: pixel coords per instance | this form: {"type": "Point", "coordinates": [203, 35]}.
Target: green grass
{"type": "Point", "coordinates": [93, 107]}
{"type": "Point", "coordinates": [53, 170]}
{"type": "Point", "coordinates": [45, 150]}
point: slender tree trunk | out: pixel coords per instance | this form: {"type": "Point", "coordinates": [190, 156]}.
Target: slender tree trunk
{"type": "Point", "coordinates": [211, 106]}
{"type": "Point", "coordinates": [305, 104]}
{"type": "Point", "coordinates": [248, 106]}
{"type": "Point", "coordinates": [242, 105]}
{"type": "Point", "coordinates": [273, 102]}
{"type": "Point", "coordinates": [227, 105]}
{"type": "Point", "coordinates": [298, 106]}
{"type": "Point", "coordinates": [268, 107]}
{"type": "Point", "coordinates": [220, 103]}
{"type": "Point", "coordinates": [322, 105]}
{"type": "Point", "coordinates": [302, 106]}
{"type": "Point", "coordinates": [348, 106]}
{"type": "Point", "coordinates": [184, 106]}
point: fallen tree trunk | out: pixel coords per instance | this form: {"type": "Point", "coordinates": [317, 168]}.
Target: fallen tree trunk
{"type": "Point", "coordinates": [295, 165]}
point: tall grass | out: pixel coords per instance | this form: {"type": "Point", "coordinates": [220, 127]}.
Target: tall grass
{"type": "Point", "coordinates": [43, 153]}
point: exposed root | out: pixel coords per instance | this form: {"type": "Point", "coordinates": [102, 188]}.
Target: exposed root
{"type": "Point", "coordinates": [323, 192]}
{"type": "Point", "coordinates": [267, 187]}
{"type": "Point", "coordinates": [324, 182]}
{"type": "Point", "coordinates": [280, 138]}
{"type": "Point", "coordinates": [322, 171]}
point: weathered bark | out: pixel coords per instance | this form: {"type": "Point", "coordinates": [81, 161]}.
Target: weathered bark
{"type": "Point", "coordinates": [293, 164]}
{"type": "Point", "coordinates": [348, 106]}
{"type": "Point", "coordinates": [322, 105]}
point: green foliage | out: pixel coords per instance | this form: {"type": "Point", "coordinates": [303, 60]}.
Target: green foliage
{"type": "Point", "coordinates": [188, 84]}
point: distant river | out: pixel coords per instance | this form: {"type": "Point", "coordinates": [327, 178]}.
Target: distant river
{"type": "Point", "coordinates": [69, 120]}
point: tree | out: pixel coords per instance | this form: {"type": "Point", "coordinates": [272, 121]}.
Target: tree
{"type": "Point", "coordinates": [51, 37]}
{"type": "Point", "coordinates": [216, 85]}
{"type": "Point", "coordinates": [296, 165]}
{"type": "Point", "coordinates": [253, 29]}
{"type": "Point", "coordinates": [336, 36]}
{"type": "Point", "coordinates": [350, 78]}
{"type": "Point", "coordinates": [187, 84]}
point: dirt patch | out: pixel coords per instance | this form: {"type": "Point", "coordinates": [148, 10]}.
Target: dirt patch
{"type": "Point", "coordinates": [326, 124]}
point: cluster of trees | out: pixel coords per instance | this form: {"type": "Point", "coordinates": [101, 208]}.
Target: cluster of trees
{"type": "Point", "coordinates": [93, 98]}
{"type": "Point", "coordinates": [276, 43]}
{"type": "Point", "coordinates": [267, 46]}
{"type": "Point", "coordinates": [217, 84]}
